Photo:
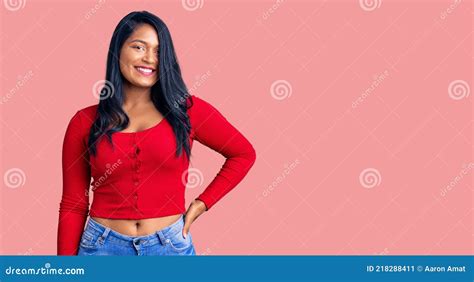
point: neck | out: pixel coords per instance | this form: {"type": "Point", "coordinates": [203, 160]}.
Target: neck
{"type": "Point", "coordinates": [134, 96]}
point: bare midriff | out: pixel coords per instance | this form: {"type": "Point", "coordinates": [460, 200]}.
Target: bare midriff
{"type": "Point", "coordinates": [138, 227]}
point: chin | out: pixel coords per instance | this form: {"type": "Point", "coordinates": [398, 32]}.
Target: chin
{"type": "Point", "coordinates": [143, 84]}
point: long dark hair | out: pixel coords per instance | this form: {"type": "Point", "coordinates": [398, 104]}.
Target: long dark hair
{"type": "Point", "coordinates": [169, 94]}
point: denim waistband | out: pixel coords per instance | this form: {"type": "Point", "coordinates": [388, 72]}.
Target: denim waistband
{"type": "Point", "coordinates": [161, 235]}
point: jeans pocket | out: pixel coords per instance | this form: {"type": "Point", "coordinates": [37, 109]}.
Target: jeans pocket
{"type": "Point", "coordinates": [90, 238]}
{"type": "Point", "coordinates": [179, 244]}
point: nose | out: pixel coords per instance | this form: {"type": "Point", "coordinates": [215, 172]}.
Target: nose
{"type": "Point", "coordinates": [149, 57]}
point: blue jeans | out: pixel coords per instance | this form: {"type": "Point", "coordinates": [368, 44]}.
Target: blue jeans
{"type": "Point", "coordinates": [99, 240]}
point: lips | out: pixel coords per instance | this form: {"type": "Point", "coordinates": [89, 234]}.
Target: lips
{"type": "Point", "coordinates": [146, 71]}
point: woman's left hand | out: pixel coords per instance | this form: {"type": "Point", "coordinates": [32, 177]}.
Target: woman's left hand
{"type": "Point", "coordinates": [196, 208]}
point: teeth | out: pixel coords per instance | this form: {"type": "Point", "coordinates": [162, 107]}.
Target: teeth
{"type": "Point", "coordinates": [145, 70]}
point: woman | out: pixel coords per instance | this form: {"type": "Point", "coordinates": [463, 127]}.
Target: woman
{"type": "Point", "coordinates": [136, 145]}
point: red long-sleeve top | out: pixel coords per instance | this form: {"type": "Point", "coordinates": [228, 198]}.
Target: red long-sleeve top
{"type": "Point", "coordinates": [140, 176]}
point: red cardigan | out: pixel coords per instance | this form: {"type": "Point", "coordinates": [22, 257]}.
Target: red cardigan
{"type": "Point", "coordinates": [141, 177]}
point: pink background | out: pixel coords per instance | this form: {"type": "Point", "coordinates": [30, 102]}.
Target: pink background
{"type": "Point", "coordinates": [364, 144]}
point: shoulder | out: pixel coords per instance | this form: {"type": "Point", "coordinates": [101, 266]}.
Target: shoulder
{"type": "Point", "coordinates": [83, 118]}
{"type": "Point", "coordinates": [88, 114]}
{"type": "Point", "coordinates": [204, 116]}
{"type": "Point", "coordinates": [89, 111]}
{"type": "Point", "coordinates": [197, 107]}
{"type": "Point", "coordinates": [192, 100]}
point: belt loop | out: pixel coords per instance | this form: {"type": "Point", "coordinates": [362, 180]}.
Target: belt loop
{"type": "Point", "coordinates": [161, 237]}
{"type": "Point", "coordinates": [104, 235]}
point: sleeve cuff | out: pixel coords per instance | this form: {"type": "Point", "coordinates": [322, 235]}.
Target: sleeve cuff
{"type": "Point", "coordinates": [205, 203]}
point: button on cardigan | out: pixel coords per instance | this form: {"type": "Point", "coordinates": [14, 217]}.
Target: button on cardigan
{"type": "Point", "coordinates": [140, 176]}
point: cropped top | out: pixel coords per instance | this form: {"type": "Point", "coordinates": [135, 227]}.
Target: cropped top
{"type": "Point", "coordinates": [140, 176]}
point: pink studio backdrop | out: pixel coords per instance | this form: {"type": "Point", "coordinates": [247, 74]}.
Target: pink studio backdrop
{"type": "Point", "coordinates": [360, 113]}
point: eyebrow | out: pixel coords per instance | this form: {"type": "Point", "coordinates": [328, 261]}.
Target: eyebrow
{"type": "Point", "coordinates": [141, 41]}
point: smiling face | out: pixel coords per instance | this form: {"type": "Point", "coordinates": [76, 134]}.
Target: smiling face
{"type": "Point", "coordinates": [139, 57]}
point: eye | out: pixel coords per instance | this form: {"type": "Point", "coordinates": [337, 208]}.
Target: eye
{"type": "Point", "coordinates": [138, 47]}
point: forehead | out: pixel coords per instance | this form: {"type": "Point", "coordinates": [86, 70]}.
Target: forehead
{"type": "Point", "coordinates": [145, 33]}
